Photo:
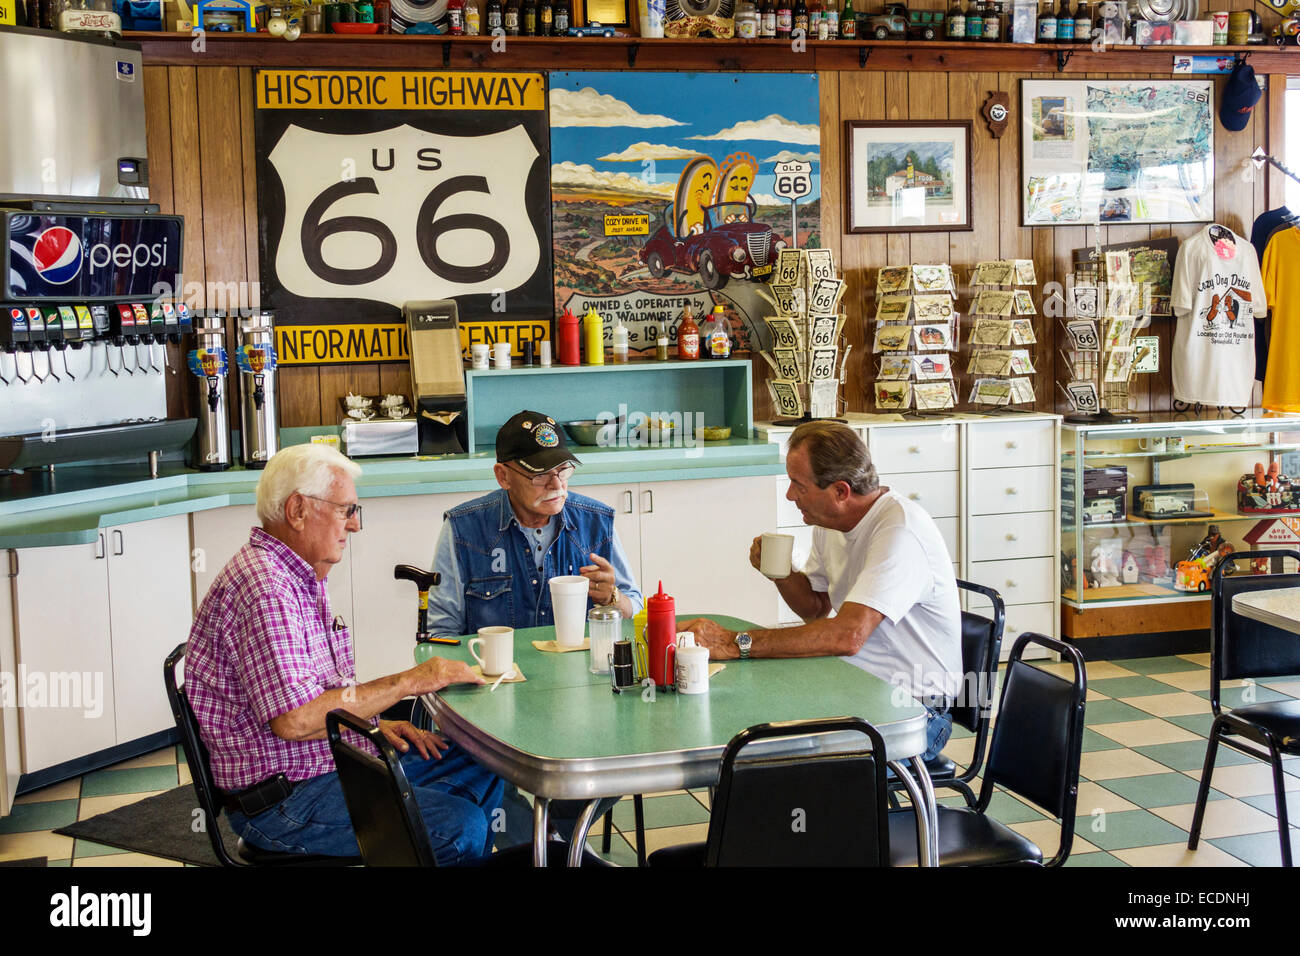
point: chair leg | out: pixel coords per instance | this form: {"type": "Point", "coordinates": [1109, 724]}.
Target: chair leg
{"type": "Point", "coordinates": [638, 808]}
{"type": "Point", "coordinates": [1203, 791]}
{"type": "Point", "coordinates": [1279, 793]}
{"type": "Point", "coordinates": [609, 831]}
{"type": "Point", "coordinates": [962, 787]}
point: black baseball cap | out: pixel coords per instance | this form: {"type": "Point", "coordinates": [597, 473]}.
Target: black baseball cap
{"type": "Point", "coordinates": [1240, 94]}
{"type": "Point", "coordinates": [535, 441]}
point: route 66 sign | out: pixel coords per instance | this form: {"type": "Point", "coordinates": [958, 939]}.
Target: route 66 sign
{"type": "Point", "coordinates": [408, 185]}
{"type": "Point", "coordinates": [793, 180]}
{"type": "Point", "coordinates": [823, 364]}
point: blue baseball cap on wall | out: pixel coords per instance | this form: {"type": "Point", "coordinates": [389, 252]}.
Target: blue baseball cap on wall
{"type": "Point", "coordinates": [1240, 94]}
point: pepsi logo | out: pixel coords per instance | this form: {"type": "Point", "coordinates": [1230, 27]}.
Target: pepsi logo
{"type": "Point", "coordinates": [57, 254]}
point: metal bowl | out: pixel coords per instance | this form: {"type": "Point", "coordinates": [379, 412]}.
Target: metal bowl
{"type": "Point", "coordinates": [592, 431]}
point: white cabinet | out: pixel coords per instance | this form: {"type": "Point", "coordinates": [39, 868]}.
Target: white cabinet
{"type": "Point", "coordinates": [399, 530]}
{"type": "Point", "coordinates": [93, 625]}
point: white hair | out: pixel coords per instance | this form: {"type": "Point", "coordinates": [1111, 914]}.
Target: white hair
{"type": "Point", "coordinates": [302, 469]}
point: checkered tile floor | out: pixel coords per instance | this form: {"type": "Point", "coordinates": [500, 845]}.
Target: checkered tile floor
{"type": "Point", "coordinates": [1143, 749]}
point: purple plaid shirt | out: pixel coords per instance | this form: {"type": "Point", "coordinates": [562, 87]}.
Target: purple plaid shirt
{"type": "Point", "coordinates": [263, 643]}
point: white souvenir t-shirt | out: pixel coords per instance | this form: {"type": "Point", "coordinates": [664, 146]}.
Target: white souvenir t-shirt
{"type": "Point", "coordinates": [896, 563]}
{"type": "Point", "coordinates": [1217, 292]}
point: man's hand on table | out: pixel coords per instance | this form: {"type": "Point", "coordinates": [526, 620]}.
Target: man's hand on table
{"type": "Point", "coordinates": [427, 744]}
{"type": "Point", "coordinates": [720, 641]}
{"type": "Point", "coordinates": [436, 673]}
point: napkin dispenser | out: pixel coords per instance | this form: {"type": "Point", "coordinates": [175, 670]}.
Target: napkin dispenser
{"type": "Point", "coordinates": [437, 376]}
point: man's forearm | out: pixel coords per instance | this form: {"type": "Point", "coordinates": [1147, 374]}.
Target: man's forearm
{"type": "Point", "coordinates": [797, 592]}
{"type": "Point", "coordinates": [364, 700]}
{"type": "Point", "coordinates": [821, 638]}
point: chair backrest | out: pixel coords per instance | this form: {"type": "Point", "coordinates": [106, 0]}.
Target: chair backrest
{"type": "Point", "coordinates": [1038, 736]}
{"type": "Point", "coordinates": [196, 754]}
{"type": "Point", "coordinates": [981, 642]}
{"type": "Point", "coordinates": [385, 814]}
{"type": "Point", "coordinates": [811, 809]}
{"type": "Point", "coordinates": [1241, 647]}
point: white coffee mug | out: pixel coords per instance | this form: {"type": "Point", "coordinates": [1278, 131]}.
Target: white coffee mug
{"type": "Point", "coordinates": [774, 561]}
{"type": "Point", "coordinates": [498, 649]}
{"type": "Point", "coordinates": [1155, 443]}
{"type": "Point", "coordinates": [692, 671]}
{"type": "Point", "coordinates": [479, 355]}
{"type": "Point", "coordinates": [501, 355]}
{"type": "Point", "coordinates": [569, 602]}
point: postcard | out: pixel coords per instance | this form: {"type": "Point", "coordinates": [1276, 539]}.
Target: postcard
{"type": "Point", "coordinates": [932, 396]}
{"type": "Point", "coordinates": [1022, 332]}
{"type": "Point", "coordinates": [1024, 302]}
{"type": "Point", "coordinates": [1083, 336]}
{"type": "Point", "coordinates": [894, 279]}
{"type": "Point", "coordinates": [930, 308]}
{"type": "Point", "coordinates": [993, 302]}
{"type": "Point", "coordinates": [785, 334]}
{"type": "Point", "coordinates": [994, 273]}
{"type": "Point", "coordinates": [821, 264]}
{"type": "Point", "coordinates": [1025, 274]}
{"type": "Point", "coordinates": [991, 332]}
{"type": "Point", "coordinates": [934, 336]}
{"type": "Point", "coordinates": [893, 308]}
{"type": "Point", "coordinates": [893, 394]}
{"type": "Point", "coordinates": [892, 338]}
{"type": "Point", "coordinates": [786, 397]}
{"type": "Point", "coordinates": [895, 367]}
{"type": "Point", "coordinates": [791, 267]}
{"type": "Point", "coordinates": [936, 278]}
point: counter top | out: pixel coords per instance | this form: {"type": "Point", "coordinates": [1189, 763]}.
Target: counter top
{"type": "Point", "coordinates": [39, 509]}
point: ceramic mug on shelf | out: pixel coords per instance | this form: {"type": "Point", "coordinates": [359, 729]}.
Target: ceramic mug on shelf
{"type": "Point", "coordinates": [1152, 443]}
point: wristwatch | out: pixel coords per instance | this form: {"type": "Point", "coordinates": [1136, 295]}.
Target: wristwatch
{"type": "Point", "coordinates": [744, 642]}
{"type": "Point", "coordinates": [614, 595]}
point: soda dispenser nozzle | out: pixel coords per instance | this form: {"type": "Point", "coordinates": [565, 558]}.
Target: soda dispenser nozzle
{"type": "Point", "coordinates": [108, 360]}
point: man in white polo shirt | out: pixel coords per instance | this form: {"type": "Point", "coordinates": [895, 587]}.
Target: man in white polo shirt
{"type": "Point", "coordinates": [878, 588]}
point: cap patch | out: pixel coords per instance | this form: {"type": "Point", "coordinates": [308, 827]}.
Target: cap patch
{"type": "Point", "coordinates": [525, 424]}
{"type": "Point", "coordinates": [546, 436]}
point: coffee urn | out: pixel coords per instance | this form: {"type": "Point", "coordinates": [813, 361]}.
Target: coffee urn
{"type": "Point", "coordinates": [259, 422]}
{"type": "Point", "coordinates": [209, 363]}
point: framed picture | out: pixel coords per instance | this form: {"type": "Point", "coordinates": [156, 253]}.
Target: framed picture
{"type": "Point", "coordinates": [909, 176]}
{"type": "Point", "coordinates": [1116, 151]}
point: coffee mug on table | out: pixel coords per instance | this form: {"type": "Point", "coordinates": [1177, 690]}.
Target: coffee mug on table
{"type": "Point", "coordinates": [774, 560]}
{"type": "Point", "coordinates": [692, 673]}
{"type": "Point", "coordinates": [498, 645]}
{"type": "Point", "coordinates": [569, 602]}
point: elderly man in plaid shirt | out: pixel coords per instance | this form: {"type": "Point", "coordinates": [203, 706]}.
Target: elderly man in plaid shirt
{"type": "Point", "coordinates": [267, 661]}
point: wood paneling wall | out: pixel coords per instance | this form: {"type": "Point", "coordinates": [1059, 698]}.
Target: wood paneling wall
{"type": "Point", "coordinates": [201, 147]}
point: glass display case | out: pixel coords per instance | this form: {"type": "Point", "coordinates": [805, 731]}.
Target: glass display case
{"type": "Point", "coordinates": [1148, 508]}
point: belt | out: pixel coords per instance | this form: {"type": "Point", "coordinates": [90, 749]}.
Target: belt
{"type": "Point", "coordinates": [230, 800]}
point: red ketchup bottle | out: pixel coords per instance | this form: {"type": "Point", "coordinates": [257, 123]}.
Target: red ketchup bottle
{"type": "Point", "coordinates": [660, 634]}
{"type": "Point", "coordinates": [568, 335]}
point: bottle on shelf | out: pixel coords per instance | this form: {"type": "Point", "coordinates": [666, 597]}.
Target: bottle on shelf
{"type": "Point", "coordinates": [1082, 23]}
{"type": "Point", "coordinates": [618, 349]}
{"type": "Point", "coordinates": [545, 17]}
{"type": "Point", "coordinates": [593, 335]}
{"type": "Point", "coordinates": [384, 15]}
{"type": "Point", "coordinates": [955, 28]}
{"type": "Point", "coordinates": [799, 18]}
{"type": "Point", "coordinates": [746, 20]}
{"type": "Point", "coordinates": [831, 14]}
{"type": "Point", "coordinates": [993, 25]}
{"type": "Point", "coordinates": [473, 22]}
{"type": "Point", "coordinates": [767, 20]}
{"type": "Point", "coordinates": [688, 336]}
{"type": "Point", "coordinates": [715, 338]}
{"type": "Point", "coordinates": [975, 20]}
{"type": "Point", "coordinates": [567, 337]}
{"type": "Point", "coordinates": [493, 17]}
{"type": "Point", "coordinates": [564, 17]}
{"type": "Point", "coordinates": [366, 12]}
{"type": "Point", "coordinates": [1047, 23]}
{"type": "Point", "coordinates": [817, 29]}
{"type": "Point", "coordinates": [528, 18]}
{"type": "Point", "coordinates": [784, 19]}
{"type": "Point", "coordinates": [848, 22]}
{"type": "Point", "coordinates": [510, 18]}
{"type": "Point", "coordinates": [455, 17]}
{"type": "Point", "coordinates": [1064, 23]}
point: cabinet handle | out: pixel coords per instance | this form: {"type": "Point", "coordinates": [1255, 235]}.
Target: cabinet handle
{"type": "Point", "coordinates": [914, 450]}
{"type": "Point", "coordinates": [649, 508]}
{"type": "Point", "coordinates": [1012, 630]}
{"type": "Point", "coordinates": [915, 495]}
{"type": "Point", "coordinates": [99, 548]}
{"type": "Point", "coordinates": [1011, 584]}
{"type": "Point", "coordinates": [1012, 491]}
{"type": "Point", "coordinates": [1012, 446]}
{"type": "Point", "coordinates": [628, 510]}
{"type": "Point", "coordinates": [121, 544]}
{"type": "Point", "coordinates": [1011, 537]}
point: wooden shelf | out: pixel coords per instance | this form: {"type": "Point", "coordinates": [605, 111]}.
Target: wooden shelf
{"type": "Point", "coordinates": [396, 51]}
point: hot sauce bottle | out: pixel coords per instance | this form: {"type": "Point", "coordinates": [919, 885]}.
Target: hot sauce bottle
{"type": "Point", "coordinates": [688, 336]}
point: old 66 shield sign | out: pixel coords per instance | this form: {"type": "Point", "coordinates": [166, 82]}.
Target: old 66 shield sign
{"type": "Point", "coordinates": [378, 188]}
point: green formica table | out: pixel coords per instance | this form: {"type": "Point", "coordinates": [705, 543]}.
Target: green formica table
{"type": "Point", "coordinates": [564, 734]}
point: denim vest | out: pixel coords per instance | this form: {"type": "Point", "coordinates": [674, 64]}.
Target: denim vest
{"type": "Point", "coordinates": [502, 583]}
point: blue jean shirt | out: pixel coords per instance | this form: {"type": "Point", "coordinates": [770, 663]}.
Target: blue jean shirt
{"type": "Point", "coordinates": [490, 575]}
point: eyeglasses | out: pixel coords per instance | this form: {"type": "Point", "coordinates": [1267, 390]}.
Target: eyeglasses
{"type": "Point", "coordinates": [348, 510]}
{"type": "Point", "coordinates": [542, 480]}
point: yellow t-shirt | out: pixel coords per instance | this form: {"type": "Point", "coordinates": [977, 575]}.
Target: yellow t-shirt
{"type": "Point", "coordinates": [1282, 287]}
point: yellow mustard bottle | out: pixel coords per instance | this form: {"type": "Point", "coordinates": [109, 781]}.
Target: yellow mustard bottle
{"type": "Point", "coordinates": [593, 333]}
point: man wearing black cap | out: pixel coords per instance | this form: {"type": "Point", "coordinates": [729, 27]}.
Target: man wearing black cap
{"type": "Point", "coordinates": [497, 553]}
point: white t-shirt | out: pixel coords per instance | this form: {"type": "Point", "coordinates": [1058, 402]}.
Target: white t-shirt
{"type": "Point", "coordinates": [1216, 300]}
{"type": "Point", "coordinates": [895, 562]}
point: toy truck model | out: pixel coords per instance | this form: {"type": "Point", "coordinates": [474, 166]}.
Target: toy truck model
{"type": "Point", "coordinates": [890, 25]}
{"type": "Point", "coordinates": [1100, 511]}
{"type": "Point", "coordinates": [1162, 505]}
{"type": "Point", "coordinates": [925, 24]}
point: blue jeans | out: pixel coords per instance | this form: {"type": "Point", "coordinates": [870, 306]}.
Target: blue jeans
{"type": "Point", "coordinates": [938, 728]}
{"type": "Point", "coordinates": [457, 798]}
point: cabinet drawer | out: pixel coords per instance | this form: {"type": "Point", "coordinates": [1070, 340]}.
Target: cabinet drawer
{"type": "Point", "coordinates": [1039, 618]}
{"type": "Point", "coordinates": [1006, 491]}
{"type": "Point", "coordinates": [921, 448]}
{"type": "Point", "coordinates": [1008, 444]}
{"type": "Point", "coordinates": [1000, 537]}
{"type": "Point", "coordinates": [936, 492]}
{"type": "Point", "coordinates": [1029, 581]}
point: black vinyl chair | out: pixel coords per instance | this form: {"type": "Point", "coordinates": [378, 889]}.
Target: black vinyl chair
{"type": "Point", "coordinates": [981, 642]}
{"type": "Point", "coordinates": [825, 809]}
{"type": "Point", "coordinates": [385, 814]}
{"type": "Point", "coordinates": [1241, 648]}
{"type": "Point", "coordinates": [196, 755]}
{"type": "Point", "coordinates": [1034, 753]}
